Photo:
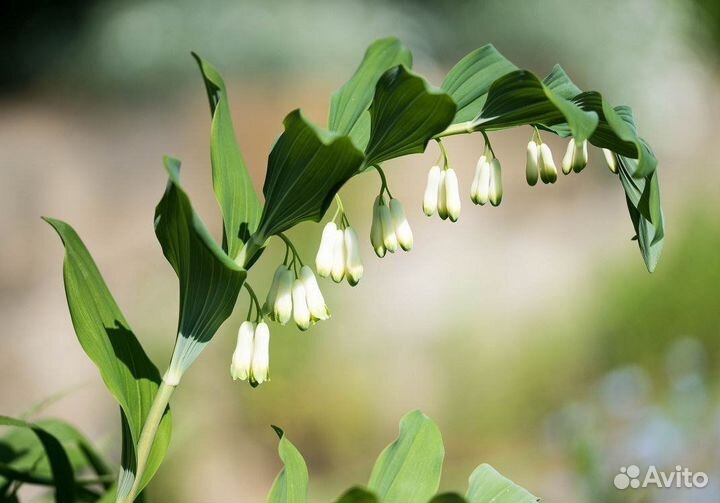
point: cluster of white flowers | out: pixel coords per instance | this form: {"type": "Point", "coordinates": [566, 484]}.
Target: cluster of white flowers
{"type": "Point", "coordinates": [487, 182]}
{"type": "Point", "coordinates": [390, 228]}
{"type": "Point", "coordinates": [251, 359]}
{"type": "Point", "coordinates": [540, 162]}
{"type": "Point", "coordinates": [297, 297]}
{"type": "Point", "coordinates": [338, 256]}
{"type": "Point", "coordinates": [442, 193]}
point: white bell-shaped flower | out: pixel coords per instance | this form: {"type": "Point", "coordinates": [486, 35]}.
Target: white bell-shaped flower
{"type": "Point", "coordinates": [243, 354]}
{"type": "Point", "coordinates": [324, 257]}
{"type": "Point", "coordinates": [432, 190]}
{"type": "Point", "coordinates": [548, 171]}
{"type": "Point", "coordinates": [480, 188]}
{"type": "Point", "coordinates": [338, 268]}
{"type": "Point", "coordinates": [403, 232]}
{"type": "Point", "coordinates": [315, 300]}
{"type": "Point", "coordinates": [442, 208]}
{"type": "Point", "coordinates": [376, 232]}
{"type": "Point", "coordinates": [260, 366]}
{"type": "Point", "coordinates": [610, 159]}
{"type": "Point", "coordinates": [496, 188]}
{"type": "Point", "coordinates": [269, 306]}
{"type": "Point", "coordinates": [531, 165]}
{"type": "Point", "coordinates": [389, 238]}
{"type": "Point", "coordinates": [452, 194]}
{"type": "Point", "coordinates": [300, 309]}
{"type": "Point", "coordinates": [353, 263]}
{"type": "Point", "coordinates": [576, 156]}
{"type": "Point", "coordinates": [282, 310]}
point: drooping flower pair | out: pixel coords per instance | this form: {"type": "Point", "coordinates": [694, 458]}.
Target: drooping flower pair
{"type": "Point", "coordinates": [442, 193]}
{"type": "Point", "coordinates": [251, 358]}
{"type": "Point", "coordinates": [338, 256]}
{"type": "Point", "coordinates": [576, 156]}
{"type": "Point", "coordinates": [295, 296]}
{"type": "Point", "coordinates": [390, 228]}
{"type": "Point", "coordinates": [540, 162]}
{"type": "Point", "coordinates": [487, 182]}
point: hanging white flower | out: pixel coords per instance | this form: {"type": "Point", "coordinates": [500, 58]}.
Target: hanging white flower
{"type": "Point", "coordinates": [576, 156]}
{"type": "Point", "coordinates": [282, 310]}
{"type": "Point", "coordinates": [338, 268]}
{"type": "Point", "coordinates": [300, 310]}
{"type": "Point", "coordinates": [353, 263]}
{"type": "Point", "coordinates": [480, 188]}
{"type": "Point", "coordinates": [243, 354]}
{"type": "Point", "coordinates": [531, 166]}
{"type": "Point", "coordinates": [452, 194]}
{"type": "Point", "coordinates": [388, 229]}
{"type": "Point", "coordinates": [496, 188]}
{"type": "Point", "coordinates": [260, 366]}
{"type": "Point", "coordinates": [376, 232]}
{"type": "Point", "coordinates": [610, 159]}
{"type": "Point", "coordinates": [315, 300]}
{"type": "Point", "coordinates": [403, 232]}
{"type": "Point", "coordinates": [432, 190]}
{"type": "Point", "coordinates": [548, 171]}
{"type": "Point", "coordinates": [324, 257]}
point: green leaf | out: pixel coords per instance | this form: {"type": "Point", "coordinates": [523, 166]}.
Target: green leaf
{"type": "Point", "coordinates": [306, 168]}
{"type": "Point", "coordinates": [448, 498]}
{"type": "Point", "coordinates": [232, 184]}
{"type": "Point", "coordinates": [209, 280]}
{"type": "Point", "coordinates": [559, 82]}
{"type": "Point", "coordinates": [357, 495]}
{"type": "Point", "coordinates": [486, 485]}
{"type": "Point", "coordinates": [291, 484]}
{"type": "Point", "coordinates": [20, 450]}
{"type": "Point", "coordinates": [469, 81]}
{"type": "Point", "coordinates": [349, 104]}
{"type": "Point", "coordinates": [409, 469]}
{"type": "Point", "coordinates": [62, 470]}
{"type": "Point", "coordinates": [521, 98]}
{"type": "Point", "coordinates": [109, 342]}
{"type": "Point", "coordinates": [405, 114]}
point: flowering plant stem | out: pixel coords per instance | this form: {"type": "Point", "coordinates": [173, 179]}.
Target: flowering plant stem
{"type": "Point", "coordinates": [147, 436]}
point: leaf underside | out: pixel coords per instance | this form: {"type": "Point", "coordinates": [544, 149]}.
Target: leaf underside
{"type": "Point", "coordinates": [291, 484]}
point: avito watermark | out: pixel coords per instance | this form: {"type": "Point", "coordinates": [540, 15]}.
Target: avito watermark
{"type": "Point", "coordinates": [630, 477]}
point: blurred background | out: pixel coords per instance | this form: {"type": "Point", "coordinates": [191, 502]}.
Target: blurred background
{"type": "Point", "coordinates": [531, 333]}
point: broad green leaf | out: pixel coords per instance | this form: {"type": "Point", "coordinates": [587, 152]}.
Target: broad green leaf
{"type": "Point", "coordinates": [232, 184]}
{"type": "Point", "coordinates": [109, 342]}
{"type": "Point", "coordinates": [60, 467]}
{"type": "Point", "coordinates": [469, 81]}
{"type": "Point", "coordinates": [448, 498]}
{"type": "Point", "coordinates": [20, 450]}
{"type": "Point", "coordinates": [209, 280]}
{"type": "Point", "coordinates": [357, 495]}
{"type": "Point", "coordinates": [405, 114]}
{"type": "Point", "coordinates": [521, 98]}
{"type": "Point", "coordinates": [486, 485]}
{"type": "Point", "coordinates": [306, 168]}
{"type": "Point", "coordinates": [559, 82]}
{"type": "Point", "coordinates": [291, 484]}
{"type": "Point", "coordinates": [349, 104]}
{"type": "Point", "coordinates": [409, 469]}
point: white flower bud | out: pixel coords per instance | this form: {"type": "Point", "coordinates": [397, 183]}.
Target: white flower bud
{"type": "Point", "coordinates": [269, 305]}
{"type": "Point", "coordinates": [338, 268]}
{"type": "Point", "coordinates": [548, 171]}
{"type": "Point", "coordinates": [315, 300]}
{"type": "Point", "coordinates": [531, 166]}
{"type": "Point", "coordinates": [480, 190]}
{"type": "Point", "coordinates": [496, 189]}
{"type": "Point", "coordinates": [242, 357]}
{"type": "Point", "coordinates": [432, 189]}
{"type": "Point", "coordinates": [353, 264]}
{"type": "Point", "coordinates": [452, 194]}
{"type": "Point", "coordinates": [260, 367]}
{"type": "Point", "coordinates": [300, 310]}
{"type": "Point", "coordinates": [324, 257]}
{"type": "Point", "coordinates": [442, 197]}
{"type": "Point", "coordinates": [610, 159]}
{"type": "Point", "coordinates": [282, 310]}
{"type": "Point", "coordinates": [389, 238]}
{"type": "Point", "coordinates": [376, 233]}
{"type": "Point", "coordinates": [402, 227]}
{"type": "Point", "coordinates": [567, 162]}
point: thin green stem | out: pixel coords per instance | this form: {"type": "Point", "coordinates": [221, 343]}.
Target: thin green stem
{"type": "Point", "coordinates": [296, 255]}
{"type": "Point", "coordinates": [253, 301]}
{"type": "Point", "coordinates": [147, 436]}
{"type": "Point", "coordinates": [444, 153]}
{"type": "Point", "coordinates": [383, 180]}
{"type": "Point", "coordinates": [487, 143]}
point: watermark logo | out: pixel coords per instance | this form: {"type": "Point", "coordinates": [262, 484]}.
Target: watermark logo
{"type": "Point", "coordinates": [630, 477]}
